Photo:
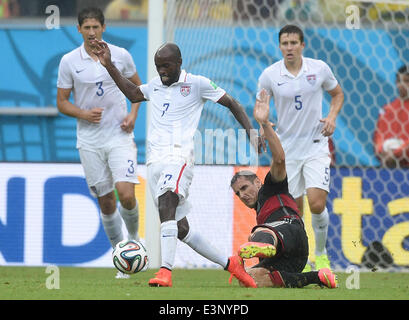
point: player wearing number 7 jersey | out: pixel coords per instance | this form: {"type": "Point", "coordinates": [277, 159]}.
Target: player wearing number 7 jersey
{"type": "Point", "coordinates": [177, 100]}
{"type": "Point", "coordinates": [297, 85]}
{"type": "Point", "coordinates": [105, 138]}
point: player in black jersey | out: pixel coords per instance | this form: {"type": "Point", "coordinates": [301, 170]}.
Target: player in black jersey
{"type": "Point", "coordinates": [279, 239]}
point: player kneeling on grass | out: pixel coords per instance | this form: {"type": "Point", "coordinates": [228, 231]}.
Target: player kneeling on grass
{"type": "Point", "coordinates": [279, 239]}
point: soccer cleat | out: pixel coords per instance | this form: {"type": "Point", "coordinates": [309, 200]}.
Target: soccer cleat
{"type": "Point", "coordinates": [163, 278]}
{"type": "Point", "coordinates": [121, 275]}
{"type": "Point", "coordinates": [322, 262]}
{"type": "Point", "coordinates": [256, 249]}
{"type": "Point", "coordinates": [328, 278]}
{"type": "Point", "coordinates": [236, 268]}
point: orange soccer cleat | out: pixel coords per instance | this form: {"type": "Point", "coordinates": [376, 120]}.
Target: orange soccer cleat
{"type": "Point", "coordinates": [163, 278]}
{"type": "Point", "coordinates": [328, 278]}
{"type": "Point", "coordinates": [236, 268]}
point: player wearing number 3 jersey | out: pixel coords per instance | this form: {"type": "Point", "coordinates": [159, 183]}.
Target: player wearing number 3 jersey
{"type": "Point", "coordinates": [105, 138]}
{"type": "Point", "coordinates": [177, 100]}
{"type": "Point", "coordinates": [297, 85]}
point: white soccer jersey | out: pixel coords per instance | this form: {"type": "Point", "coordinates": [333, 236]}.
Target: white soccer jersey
{"type": "Point", "coordinates": [93, 87]}
{"type": "Point", "coordinates": [298, 103]}
{"type": "Point", "coordinates": [175, 115]}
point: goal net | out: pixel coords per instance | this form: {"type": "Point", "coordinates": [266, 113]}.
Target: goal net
{"type": "Point", "coordinates": [364, 43]}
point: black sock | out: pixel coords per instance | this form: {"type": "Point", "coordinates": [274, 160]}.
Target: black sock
{"type": "Point", "coordinates": [299, 280]}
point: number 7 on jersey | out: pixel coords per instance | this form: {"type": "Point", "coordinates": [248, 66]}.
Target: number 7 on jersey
{"type": "Point", "coordinates": [165, 108]}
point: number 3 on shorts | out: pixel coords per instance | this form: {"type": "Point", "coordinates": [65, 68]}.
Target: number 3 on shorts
{"type": "Point", "coordinates": [131, 169]}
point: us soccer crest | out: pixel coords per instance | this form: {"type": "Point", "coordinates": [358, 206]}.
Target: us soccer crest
{"type": "Point", "coordinates": [185, 90]}
{"type": "Point", "coordinates": [311, 79]}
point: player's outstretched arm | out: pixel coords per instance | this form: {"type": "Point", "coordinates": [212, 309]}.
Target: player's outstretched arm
{"type": "Point", "coordinates": [241, 116]}
{"type": "Point", "coordinates": [261, 114]}
{"type": "Point", "coordinates": [130, 90]}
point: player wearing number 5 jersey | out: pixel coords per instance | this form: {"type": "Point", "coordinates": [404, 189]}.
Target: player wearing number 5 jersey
{"type": "Point", "coordinates": [297, 85]}
{"type": "Point", "coordinates": [105, 138]}
{"type": "Point", "coordinates": [177, 100]}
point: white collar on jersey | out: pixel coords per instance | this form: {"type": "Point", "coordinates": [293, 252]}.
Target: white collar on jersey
{"type": "Point", "coordinates": [285, 72]}
{"type": "Point", "coordinates": [182, 78]}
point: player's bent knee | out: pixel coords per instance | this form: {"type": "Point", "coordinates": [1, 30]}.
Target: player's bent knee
{"type": "Point", "coordinates": [317, 200]}
{"type": "Point", "coordinates": [317, 207]}
{"type": "Point", "coordinates": [127, 200]}
{"type": "Point", "coordinates": [107, 203]}
{"type": "Point", "coordinates": [167, 204]}
{"type": "Point", "coordinates": [126, 194]}
{"type": "Point", "coordinates": [264, 236]}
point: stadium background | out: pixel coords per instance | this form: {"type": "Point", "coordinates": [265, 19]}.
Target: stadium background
{"type": "Point", "coordinates": [46, 214]}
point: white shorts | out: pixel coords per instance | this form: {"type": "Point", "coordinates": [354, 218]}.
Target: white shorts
{"type": "Point", "coordinates": [308, 173]}
{"type": "Point", "coordinates": [176, 177]}
{"type": "Point", "coordinates": [104, 167]}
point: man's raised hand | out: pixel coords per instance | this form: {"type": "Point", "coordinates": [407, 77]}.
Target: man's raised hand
{"type": "Point", "coordinates": [101, 50]}
{"type": "Point", "coordinates": [262, 107]}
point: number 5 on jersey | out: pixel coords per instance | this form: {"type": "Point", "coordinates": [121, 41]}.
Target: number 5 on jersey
{"type": "Point", "coordinates": [298, 102]}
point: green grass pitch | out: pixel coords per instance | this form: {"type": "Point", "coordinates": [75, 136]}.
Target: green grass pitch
{"type": "Point", "coordinates": [30, 283]}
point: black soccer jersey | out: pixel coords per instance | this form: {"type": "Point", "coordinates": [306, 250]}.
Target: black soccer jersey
{"type": "Point", "coordinates": [274, 201]}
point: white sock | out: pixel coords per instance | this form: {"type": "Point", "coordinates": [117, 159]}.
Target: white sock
{"type": "Point", "coordinates": [113, 227]}
{"type": "Point", "coordinates": [168, 242]}
{"type": "Point", "coordinates": [319, 224]}
{"type": "Point", "coordinates": [204, 248]}
{"type": "Point", "coordinates": [131, 219]}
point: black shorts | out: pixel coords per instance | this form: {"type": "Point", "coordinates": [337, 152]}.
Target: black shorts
{"type": "Point", "coordinates": [294, 247]}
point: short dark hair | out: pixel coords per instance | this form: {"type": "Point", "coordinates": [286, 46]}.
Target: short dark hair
{"type": "Point", "coordinates": [290, 28]}
{"type": "Point", "coordinates": [247, 174]}
{"type": "Point", "coordinates": [91, 13]}
{"type": "Point", "coordinates": [403, 70]}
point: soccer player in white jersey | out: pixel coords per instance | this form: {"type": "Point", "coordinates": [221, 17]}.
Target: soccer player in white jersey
{"type": "Point", "coordinates": [177, 99]}
{"type": "Point", "coordinates": [297, 85]}
{"type": "Point", "coordinates": [105, 138]}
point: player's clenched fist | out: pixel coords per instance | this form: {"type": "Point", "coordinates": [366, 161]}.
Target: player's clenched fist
{"type": "Point", "coordinates": [94, 115]}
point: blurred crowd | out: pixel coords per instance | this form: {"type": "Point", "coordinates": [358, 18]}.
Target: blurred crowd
{"type": "Point", "coordinates": [327, 10]}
